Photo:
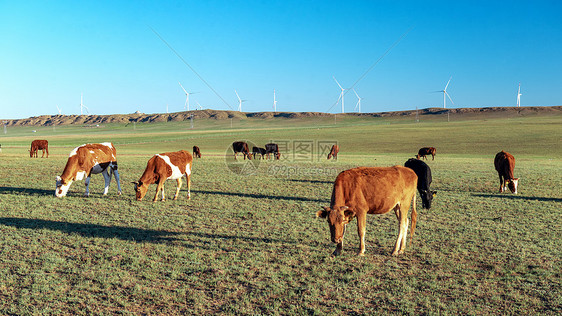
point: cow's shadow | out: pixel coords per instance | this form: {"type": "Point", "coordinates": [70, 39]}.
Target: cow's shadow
{"type": "Point", "coordinates": [92, 230]}
{"type": "Point", "coordinates": [27, 191]}
{"type": "Point", "coordinates": [518, 197]}
{"type": "Point", "coordinates": [312, 181]}
{"type": "Point", "coordinates": [262, 196]}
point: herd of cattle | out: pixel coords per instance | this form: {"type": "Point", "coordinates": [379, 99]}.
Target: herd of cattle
{"type": "Point", "coordinates": [356, 192]}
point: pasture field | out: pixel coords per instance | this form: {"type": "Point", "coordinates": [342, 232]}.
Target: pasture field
{"type": "Point", "coordinates": [251, 244]}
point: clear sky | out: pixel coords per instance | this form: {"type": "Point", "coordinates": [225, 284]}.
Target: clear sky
{"type": "Point", "coordinates": [52, 51]}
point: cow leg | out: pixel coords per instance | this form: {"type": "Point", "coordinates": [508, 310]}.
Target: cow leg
{"type": "Point", "coordinates": [47, 149]}
{"type": "Point", "coordinates": [339, 248]}
{"type": "Point", "coordinates": [116, 173]}
{"type": "Point", "coordinates": [178, 188]}
{"type": "Point", "coordinates": [43, 155]}
{"type": "Point", "coordinates": [361, 227]}
{"type": "Point", "coordinates": [188, 176]}
{"type": "Point", "coordinates": [159, 187]}
{"type": "Point", "coordinates": [502, 184]}
{"type": "Point", "coordinates": [107, 178]}
{"type": "Point", "coordinates": [87, 184]}
{"type": "Point", "coordinates": [402, 217]}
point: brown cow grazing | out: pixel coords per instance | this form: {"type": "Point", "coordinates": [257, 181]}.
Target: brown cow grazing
{"type": "Point", "coordinates": [241, 147]}
{"type": "Point", "coordinates": [334, 152]}
{"type": "Point", "coordinates": [86, 160]}
{"type": "Point", "coordinates": [377, 190]}
{"type": "Point", "coordinates": [39, 144]}
{"type": "Point", "coordinates": [196, 152]}
{"type": "Point", "coordinates": [504, 163]}
{"type": "Point", "coordinates": [423, 152]}
{"type": "Point", "coordinates": [161, 167]}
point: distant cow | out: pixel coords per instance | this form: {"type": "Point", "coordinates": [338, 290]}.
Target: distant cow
{"type": "Point", "coordinates": [423, 172]}
{"type": "Point", "coordinates": [86, 160]}
{"type": "Point", "coordinates": [161, 167]}
{"type": "Point", "coordinates": [196, 152]}
{"type": "Point", "coordinates": [334, 152]}
{"type": "Point", "coordinates": [504, 163]}
{"type": "Point", "coordinates": [241, 147]}
{"type": "Point", "coordinates": [423, 152]}
{"type": "Point", "coordinates": [258, 151]}
{"type": "Point", "coordinates": [272, 148]}
{"type": "Point", "coordinates": [377, 190]}
{"type": "Point", "coordinates": [39, 144]}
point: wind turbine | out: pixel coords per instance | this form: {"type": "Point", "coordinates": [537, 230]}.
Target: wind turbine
{"type": "Point", "coordinates": [58, 109]}
{"type": "Point", "coordinates": [186, 105]}
{"type": "Point", "coordinates": [274, 102]}
{"type": "Point", "coordinates": [519, 95]}
{"type": "Point", "coordinates": [82, 106]}
{"type": "Point", "coordinates": [445, 94]}
{"type": "Point", "coordinates": [239, 101]}
{"type": "Point", "coordinates": [341, 95]}
{"type": "Point", "coordinates": [358, 105]}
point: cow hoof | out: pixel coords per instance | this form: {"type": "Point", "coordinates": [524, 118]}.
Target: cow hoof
{"type": "Point", "coordinates": [361, 254]}
{"type": "Point", "coordinates": [336, 253]}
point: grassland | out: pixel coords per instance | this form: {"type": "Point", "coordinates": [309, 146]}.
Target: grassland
{"type": "Point", "coordinates": [252, 245]}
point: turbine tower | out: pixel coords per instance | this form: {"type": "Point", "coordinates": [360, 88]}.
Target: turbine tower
{"type": "Point", "coordinates": [358, 105]}
{"type": "Point", "coordinates": [341, 95]}
{"type": "Point", "coordinates": [519, 95]}
{"type": "Point", "coordinates": [82, 106]}
{"type": "Point", "coordinates": [186, 105]}
{"type": "Point", "coordinates": [239, 101]}
{"type": "Point", "coordinates": [445, 94]}
{"type": "Point", "coordinates": [274, 102]}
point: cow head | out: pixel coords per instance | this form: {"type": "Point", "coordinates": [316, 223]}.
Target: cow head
{"type": "Point", "coordinates": [427, 197]}
{"type": "Point", "coordinates": [61, 187]}
{"type": "Point", "coordinates": [512, 185]}
{"type": "Point", "coordinates": [337, 218]}
{"type": "Point", "coordinates": [140, 190]}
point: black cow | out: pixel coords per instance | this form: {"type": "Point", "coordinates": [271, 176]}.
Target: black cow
{"type": "Point", "coordinates": [241, 147]}
{"type": "Point", "coordinates": [258, 151]}
{"type": "Point", "coordinates": [423, 152]}
{"type": "Point", "coordinates": [272, 148]}
{"type": "Point", "coordinates": [423, 172]}
{"type": "Point", "coordinates": [196, 152]}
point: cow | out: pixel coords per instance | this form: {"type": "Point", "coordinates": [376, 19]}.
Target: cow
{"type": "Point", "coordinates": [504, 163]}
{"type": "Point", "coordinates": [423, 152]}
{"type": "Point", "coordinates": [86, 160]}
{"type": "Point", "coordinates": [241, 147]}
{"type": "Point", "coordinates": [196, 152]}
{"type": "Point", "coordinates": [39, 144]}
{"type": "Point", "coordinates": [371, 190]}
{"type": "Point", "coordinates": [334, 152]}
{"type": "Point", "coordinates": [258, 151]}
{"type": "Point", "coordinates": [161, 167]}
{"type": "Point", "coordinates": [423, 172]}
{"type": "Point", "coordinates": [272, 148]}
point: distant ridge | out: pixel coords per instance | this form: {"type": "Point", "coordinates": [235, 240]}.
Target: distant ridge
{"type": "Point", "coordinates": [50, 120]}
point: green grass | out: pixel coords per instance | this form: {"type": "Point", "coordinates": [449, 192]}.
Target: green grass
{"type": "Point", "coordinates": [252, 244]}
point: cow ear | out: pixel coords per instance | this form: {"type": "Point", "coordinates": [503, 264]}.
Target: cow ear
{"type": "Point", "coordinates": [323, 213]}
{"type": "Point", "coordinates": [347, 212]}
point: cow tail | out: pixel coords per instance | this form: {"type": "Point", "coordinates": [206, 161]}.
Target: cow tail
{"type": "Point", "coordinates": [414, 218]}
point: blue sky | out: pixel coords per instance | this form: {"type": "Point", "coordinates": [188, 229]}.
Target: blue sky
{"type": "Point", "coordinates": [52, 51]}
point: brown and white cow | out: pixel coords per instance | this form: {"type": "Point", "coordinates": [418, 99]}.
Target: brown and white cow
{"type": "Point", "coordinates": [161, 167]}
{"type": "Point", "coordinates": [371, 190]}
{"type": "Point", "coordinates": [424, 151]}
{"type": "Point", "coordinates": [39, 144]}
{"type": "Point", "coordinates": [241, 147]}
{"type": "Point", "coordinates": [196, 152]}
{"type": "Point", "coordinates": [334, 152]}
{"type": "Point", "coordinates": [504, 163]}
{"type": "Point", "coordinates": [86, 160]}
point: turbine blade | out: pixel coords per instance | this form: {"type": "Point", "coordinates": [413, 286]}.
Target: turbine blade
{"type": "Point", "coordinates": [449, 97]}
{"type": "Point", "coordinates": [182, 88]}
{"type": "Point", "coordinates": [448, 83]}
{"type": "Point", "coordinates": [338, 83]}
